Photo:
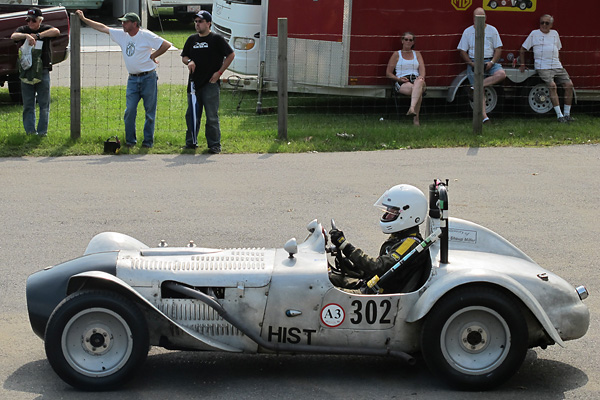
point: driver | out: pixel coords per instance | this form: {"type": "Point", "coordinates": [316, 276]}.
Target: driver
{"type": "Point", "coordinates": [405, 208]}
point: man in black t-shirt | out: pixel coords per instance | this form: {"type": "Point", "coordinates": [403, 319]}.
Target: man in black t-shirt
{"type": "Point", "coordinates": [34, 33]}
{"type": "Point", "coordinates": [207, 56]}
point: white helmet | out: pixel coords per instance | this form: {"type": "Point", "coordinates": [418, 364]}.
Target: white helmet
{"type": "Point", "coordinates": [404, 206]}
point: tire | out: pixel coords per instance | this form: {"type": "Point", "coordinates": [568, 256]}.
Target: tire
{"type": "Point", "coordinates": [492, 99]}
{"type": "Point", "coordinates": [523, 6]}
{"type": "Point", "coordinates": [14, 88]}
{"type": "Point", "coordinates": [537, 97]}
{"type": "Point", "coordinates": [96, 340]}
{"type": "Point", "coordinates": [493, 4]}
{"type": "Point", "coordinates": [475, 338]}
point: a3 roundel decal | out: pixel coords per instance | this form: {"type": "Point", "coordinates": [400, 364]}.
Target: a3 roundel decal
{"type": "Point", "coordinates": [332, 315]}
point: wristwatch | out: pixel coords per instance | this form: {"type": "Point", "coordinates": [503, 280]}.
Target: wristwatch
{"type": "Point", "coordinates": [37, 35]}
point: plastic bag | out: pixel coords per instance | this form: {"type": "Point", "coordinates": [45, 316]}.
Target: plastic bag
{"type": "Point", "coordinates": [25, 56]}
{"type": "Point", "coordinates": [32, 74]}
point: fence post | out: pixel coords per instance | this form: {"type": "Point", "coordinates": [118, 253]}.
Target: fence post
{"type": "Point", "coordinates": [478, 75]}
{"type": "Point", "coordinates": [282, 78]}
{"type": "Point", "coordinates": [75, 76]}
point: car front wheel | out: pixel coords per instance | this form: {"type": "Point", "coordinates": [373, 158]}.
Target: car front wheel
{"type": "Point", "coordinates": [475, 338]}
{"type": "Point", "coordinates": [96, 340]}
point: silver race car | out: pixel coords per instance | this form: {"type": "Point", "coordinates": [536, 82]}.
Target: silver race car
{"type": "Point", "coordinates": [483, 304]}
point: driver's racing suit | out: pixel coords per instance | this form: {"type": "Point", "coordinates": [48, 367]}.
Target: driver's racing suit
{"type": "Point", "coordinates": [409, 277]}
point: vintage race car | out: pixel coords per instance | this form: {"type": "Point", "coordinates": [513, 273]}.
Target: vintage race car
{"type": "Point", "coordinates": [482, 306]}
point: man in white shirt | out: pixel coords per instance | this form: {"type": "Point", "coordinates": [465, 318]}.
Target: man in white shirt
{"type": "Point", "coordinates": [137, 45]}
{"type": "Point", "coordinates": [492, 51]}
{"type": "Point", "coordinates": [546, 44]}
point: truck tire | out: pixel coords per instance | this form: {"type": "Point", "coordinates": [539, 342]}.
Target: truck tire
{"type": "Point", "coordinates": [14, 88]}
{"type": "Point", "coordinates": [475, 338]}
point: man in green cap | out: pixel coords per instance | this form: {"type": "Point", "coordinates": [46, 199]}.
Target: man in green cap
{"type": "Point", "coordinates": [140, 49]}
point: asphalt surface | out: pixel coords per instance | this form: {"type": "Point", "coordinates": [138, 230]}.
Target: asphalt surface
{"type": "Point", "coordinates": [543, 199]}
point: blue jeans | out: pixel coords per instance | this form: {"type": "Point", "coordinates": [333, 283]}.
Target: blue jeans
{"type": "Point", "coordinates": [207, 97]}
{"type": "Point", "coordinates": [42, 89]}
{"type": "Point", "coordinates": [141, 87]}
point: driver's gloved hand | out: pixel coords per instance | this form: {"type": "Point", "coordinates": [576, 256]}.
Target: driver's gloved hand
{"type": "Point", "coordinates": [339, 240]}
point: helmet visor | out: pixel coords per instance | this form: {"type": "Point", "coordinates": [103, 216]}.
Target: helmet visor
{"type": "Point", "coordinates": [390, 214]}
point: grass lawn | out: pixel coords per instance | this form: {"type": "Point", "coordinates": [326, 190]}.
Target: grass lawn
{"type": "Point", "coordinates": [315, 123]}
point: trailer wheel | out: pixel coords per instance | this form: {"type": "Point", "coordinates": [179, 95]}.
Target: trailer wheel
{"type": "Point", "coordinates": [475, 338]}
{"type": "Point", "coordinates": [96, 340]}
{"type": "Point", "coordinates": [14, 88]}
{"type": "Point", "coordinates": [537, 97]}
{"type": "Point", "coordinates": [492, 99]}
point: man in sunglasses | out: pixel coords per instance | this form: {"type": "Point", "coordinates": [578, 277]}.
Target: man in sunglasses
{"type": "Point", "coordinates": [37, 34]}
{"type": "Point", "coordinates": [207, 55]}
{"type": "Point", "coordinates": [546, 44]}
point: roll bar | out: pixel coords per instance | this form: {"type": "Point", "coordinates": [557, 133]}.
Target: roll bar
{"type": "Point", "coordinates": [438, 208]}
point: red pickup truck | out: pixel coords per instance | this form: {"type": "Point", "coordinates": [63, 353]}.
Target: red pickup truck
{"type": "Point", "coordinates": [13, 16]}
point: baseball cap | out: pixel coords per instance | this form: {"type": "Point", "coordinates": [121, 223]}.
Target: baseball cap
{"type": "Point", "coordinates": [205, 15]}
{"type": "Point", "coordinates": [33, 13]}
{"type": "Point", "coordinates": [130, 16]}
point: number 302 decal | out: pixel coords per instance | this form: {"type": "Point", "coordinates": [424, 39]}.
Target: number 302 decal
{"type": "Point", "coordinates": [370, 312]}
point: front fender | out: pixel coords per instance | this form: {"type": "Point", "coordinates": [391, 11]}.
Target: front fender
{"type": "Point", "coordinates": [448, 282]}
{"type": "Point", "coordinates": [199, 341]}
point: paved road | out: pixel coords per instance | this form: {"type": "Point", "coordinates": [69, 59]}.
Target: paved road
{"type": "Point", "coordinates": [543, 199]}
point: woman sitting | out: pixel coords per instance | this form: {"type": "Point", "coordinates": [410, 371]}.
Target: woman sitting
{"type": "Point", "coordinates": [409, 74]}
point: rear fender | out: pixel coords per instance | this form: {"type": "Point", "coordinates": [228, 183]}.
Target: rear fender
{"type": "Point", "coordinates": [98, 279]}
{"type": "Point", "coordinates": [445, 284]}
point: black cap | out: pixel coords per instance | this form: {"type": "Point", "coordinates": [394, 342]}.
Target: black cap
{"type": "Point", "coordinates": [34, 13]}
{"type": "Point", "coordinates": [205, 15]}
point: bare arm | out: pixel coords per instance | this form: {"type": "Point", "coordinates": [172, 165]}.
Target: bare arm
{"type": "Point", "coordinates": [389, 71]}
{"type": "Point", "coordinates": [421, 65]}
{"type": "Point", "coordinates": [495, 58]}
{"type": "Point", "coordinates": [465, 56]}
{"type": "Point", "coordinates": [160, 51]}
{"type": "Point", "coordinates": [226, 63]}
{"type": "Point", "coordinates": [92, 24]}
{"type": "Point", "coordinates": [522, 58]}
{"type": "Point", "coordinates": [31, 37]}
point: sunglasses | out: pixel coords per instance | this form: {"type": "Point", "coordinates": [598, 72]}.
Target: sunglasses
{"type": "Point", "coordinates": [199, 21]}
{"type": "Point", "coordinates": [408, 40]}
{"type": "Point", "coordinates": [545, 23]}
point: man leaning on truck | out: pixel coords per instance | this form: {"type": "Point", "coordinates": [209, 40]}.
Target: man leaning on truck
{"type": "Point", "coordinates": [35, 33]}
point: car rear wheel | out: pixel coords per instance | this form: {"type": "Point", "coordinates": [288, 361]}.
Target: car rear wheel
{"type": "Point", "coordinates": [475, 338]}
{"type": "Point", "coordinates": [96, 340]}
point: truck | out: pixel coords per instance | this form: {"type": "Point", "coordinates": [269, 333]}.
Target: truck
{"type": "Point", "coordinates": [11, 17]}
{"type": "Point", "coordinates": [343, 46]}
